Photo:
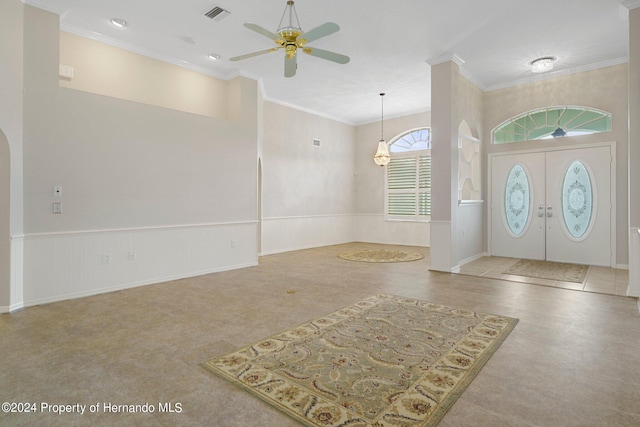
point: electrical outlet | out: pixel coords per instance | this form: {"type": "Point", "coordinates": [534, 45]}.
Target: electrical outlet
{"type": "Point", "coordinates": [57, 191]}
{"type": "Point", "coordinates": [132, 255]}
{"type": "Point", "coordinates": [106, 258]}
{"type": "Point", "coordinates": [234, 244]}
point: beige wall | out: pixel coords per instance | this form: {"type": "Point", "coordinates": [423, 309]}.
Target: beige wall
{"type": "Point", "coordinates": [634, 152]}
{"type": "Point", "coordinates": [604, 89]}
{"type": "Point", "coordinates": [5, 218]}
{"type": "Point", "coordinates": [11, 137]}
{"type": "Point", "coordinates": [300, 179]}
{"type": "Point", "coordinates": [371, 177]}
{"type": "Point", "coordinates": [127, 164]}
{"type": "Point", "coordinates": [107, 70]}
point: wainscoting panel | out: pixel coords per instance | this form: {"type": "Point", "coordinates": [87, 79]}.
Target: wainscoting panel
{"type": "Point", "coordinates": [442, 258]}
{"type": "Point", "coordinates": [16, 297]}
{"type": "Point", "coordinates": [69, 265]}
{"type": "Point", "coordinates": [375, 229]}
{"type": "Point", "coordinates": [294, 233]}
{"type": "Point", "coordinates": [285, 234]}
{"type": "Point", "coordinates": [634, 263]}
{"type": "Point", "coordinates": [470, 231]}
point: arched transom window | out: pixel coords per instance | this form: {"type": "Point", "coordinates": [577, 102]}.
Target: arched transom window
{"type": "Point", "coordinates": [552, 122]}
{"type": "Point", "coordinates": [413, 140]}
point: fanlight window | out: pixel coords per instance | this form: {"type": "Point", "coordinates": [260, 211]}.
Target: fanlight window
{"type": "Point", "coordinates": [419, 139]}
{"type": "Point", "coordinates": [552, 122]}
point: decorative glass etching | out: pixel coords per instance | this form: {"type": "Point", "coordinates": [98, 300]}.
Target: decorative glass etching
{"type": "Point", "coordinates": [577, 199]}
{"type": "Point", "coordinates": [517, 200]}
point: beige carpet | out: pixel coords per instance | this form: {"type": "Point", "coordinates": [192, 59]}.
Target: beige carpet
{"type": "Point", "coordinates": [559, 271]}
{"type": "Point", "coordinates": [384, 361]}
{"type": "Point", "coordinates": [381, 255]}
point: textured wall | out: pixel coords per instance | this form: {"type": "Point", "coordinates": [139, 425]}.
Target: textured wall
{"type": "Point", "coordinates": [126, 164]}
{"type": "Point", "coordinates": [300, 179]}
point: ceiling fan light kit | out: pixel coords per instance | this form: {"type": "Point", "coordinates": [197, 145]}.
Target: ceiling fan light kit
{"type": "Point", "coordinates": [289, 36]}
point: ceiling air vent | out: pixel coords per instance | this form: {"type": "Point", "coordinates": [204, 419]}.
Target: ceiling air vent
{"type": "Point", "coordinates": [217, 13]}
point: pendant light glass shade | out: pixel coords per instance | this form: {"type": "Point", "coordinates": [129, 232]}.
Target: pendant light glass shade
{"type": "Point", "coordinates": [382, 156]}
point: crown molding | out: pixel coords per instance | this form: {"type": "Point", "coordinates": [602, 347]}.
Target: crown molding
{"type": "Point", "coordinates": [444, 58]}
{"type": "Point", "coordinates": [267, 98]}
{"type": "Point", "coordinates": [46, 5]}
{"type": "Point", "coordinates": [631, 4]}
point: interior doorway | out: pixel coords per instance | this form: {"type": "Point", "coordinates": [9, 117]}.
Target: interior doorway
{"type": "Point", "coordinates": [554, 205]}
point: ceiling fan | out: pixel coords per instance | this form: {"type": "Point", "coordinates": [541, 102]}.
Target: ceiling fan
{"type": "Point", "coordinates": [290, 37]}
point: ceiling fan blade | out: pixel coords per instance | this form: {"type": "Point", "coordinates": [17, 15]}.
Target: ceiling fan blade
{"type": "Point", "coordinates": [263, 31]}
{"type": "Point", "coordinates": [251, 55]}
{"type": "Point", "coordinates": [325, 54]}
{"type": "Point", "coordinates": [320, 31]}
{"type": "Point", "coordinates": [290, 66]}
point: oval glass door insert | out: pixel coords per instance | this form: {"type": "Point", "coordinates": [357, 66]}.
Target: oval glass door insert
{"type": "Point", "coordinates": [517, 200]}
{"type": "Point", "coordinates": [577, 199]}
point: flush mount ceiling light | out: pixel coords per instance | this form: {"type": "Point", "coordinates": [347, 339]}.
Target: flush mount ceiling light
{"type": "Point", "coordinates": [559, 133]}
{"type": "Point", "coordinates": [542, 65]}
{"type": "Point", "coordinates": [382, 156]}
{"type": "Point", "coordinates": [120, 23]}
{"type": "Point", "coordinates": [214, 56]}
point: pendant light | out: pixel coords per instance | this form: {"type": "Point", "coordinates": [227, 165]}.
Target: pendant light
{"type": "Point", "coordinates": [382, 156]}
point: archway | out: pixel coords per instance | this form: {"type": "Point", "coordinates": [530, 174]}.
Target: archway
{"type": "Point", "coordinates": [5, 235]}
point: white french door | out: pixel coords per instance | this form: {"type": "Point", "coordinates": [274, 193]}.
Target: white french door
{"type": "Point", "coordinates": [553, 205]}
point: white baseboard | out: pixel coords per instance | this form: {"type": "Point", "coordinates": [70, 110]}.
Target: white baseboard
{"type": "Point", "coordinates": [472, 258]}
{"type": "Point", "coordinates": [11, 308]}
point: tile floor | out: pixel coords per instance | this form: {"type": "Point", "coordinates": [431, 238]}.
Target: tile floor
{"type": "Point", "coordinates": [572, 360]}
{"type": "Point", "coordinates": [599, 279]}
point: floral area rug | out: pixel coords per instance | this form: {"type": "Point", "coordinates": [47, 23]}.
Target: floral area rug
{"type": "Point", "coordinates": [559, 271]}
{"type": "Point", "coordinates": [381, 255]}
{"type": "Point", "coordinates": [386, 361]}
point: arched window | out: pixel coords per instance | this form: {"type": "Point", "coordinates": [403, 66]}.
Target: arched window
{"type": "Point", "coordinates": [552, 122]}
{"type": "Point", "coordinates": [408, 187]}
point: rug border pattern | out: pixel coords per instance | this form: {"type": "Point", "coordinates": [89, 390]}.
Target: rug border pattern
{"type": "Point", "coordinates": [518, 269]}
{"type": "Point", "coordinates": [219, 366]}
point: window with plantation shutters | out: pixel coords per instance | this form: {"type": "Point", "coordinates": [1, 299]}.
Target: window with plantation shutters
{"type": "Point", "coordinates": [408, 190]}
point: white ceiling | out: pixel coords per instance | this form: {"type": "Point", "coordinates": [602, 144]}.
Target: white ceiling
{"type": "Point", "coordinates": [389, 43]}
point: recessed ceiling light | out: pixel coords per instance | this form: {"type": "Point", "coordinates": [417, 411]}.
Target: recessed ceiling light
{"type": "Point", "coordinates": [542, 65]}
{"type": "Point", "coordinates": [214, 56]}
{"type": "Point", "coordinates": [120, 23]}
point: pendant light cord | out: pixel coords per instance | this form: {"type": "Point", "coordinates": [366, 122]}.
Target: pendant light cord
{"type": "Point", "coordinates": [382, 117]}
